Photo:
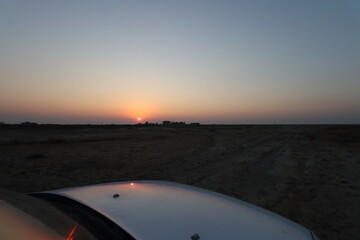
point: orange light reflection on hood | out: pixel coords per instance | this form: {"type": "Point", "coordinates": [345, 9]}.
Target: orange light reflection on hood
{"type": "Point", "coordinates": [71, 234]}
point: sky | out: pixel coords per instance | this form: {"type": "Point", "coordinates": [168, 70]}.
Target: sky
{"type": "Point", "coordinates": [219, 62]}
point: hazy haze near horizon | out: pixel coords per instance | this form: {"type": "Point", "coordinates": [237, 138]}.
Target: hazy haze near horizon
{"type": "Point", "coordinates": [205, 61]}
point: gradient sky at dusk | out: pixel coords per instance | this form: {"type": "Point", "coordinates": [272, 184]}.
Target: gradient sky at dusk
{"type": "Point", "coordinates": [195, 61]}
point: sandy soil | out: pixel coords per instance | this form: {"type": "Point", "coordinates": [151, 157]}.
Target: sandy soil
{"type": "Point", "coordinates": [310, 174]}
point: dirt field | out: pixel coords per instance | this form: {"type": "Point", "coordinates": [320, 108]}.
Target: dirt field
{"type": "Point", "coordinates": [309, 174]}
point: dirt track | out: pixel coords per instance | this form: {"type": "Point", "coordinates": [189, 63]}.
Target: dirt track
{"type": "Point", "coordinates": [310, 174]}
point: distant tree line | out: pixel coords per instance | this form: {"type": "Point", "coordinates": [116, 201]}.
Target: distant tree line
{"type": "Point", "coordinates": [30, 124]}
{"type": "Point", "coordinates": [166, 123]}
{"type": "Point", "coordinates": [169, 124]}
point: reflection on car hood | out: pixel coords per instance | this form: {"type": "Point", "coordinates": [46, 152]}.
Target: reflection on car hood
{"type": "Point", "coordinates": [156, 210]}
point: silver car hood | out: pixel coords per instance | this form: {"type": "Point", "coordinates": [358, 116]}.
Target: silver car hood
{"type": "Point", "coordinates": [155, 210]}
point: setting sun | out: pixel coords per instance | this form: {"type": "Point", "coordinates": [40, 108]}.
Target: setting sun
{"type": "Point", "coordinates": [139, 118]}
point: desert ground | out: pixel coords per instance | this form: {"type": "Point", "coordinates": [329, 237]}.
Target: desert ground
{"type": "Point", "coordinates": [309, 174]}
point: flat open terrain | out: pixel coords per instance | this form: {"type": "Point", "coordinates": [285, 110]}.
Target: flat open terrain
{"type": "Point", "coordinates": [309, 174]}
